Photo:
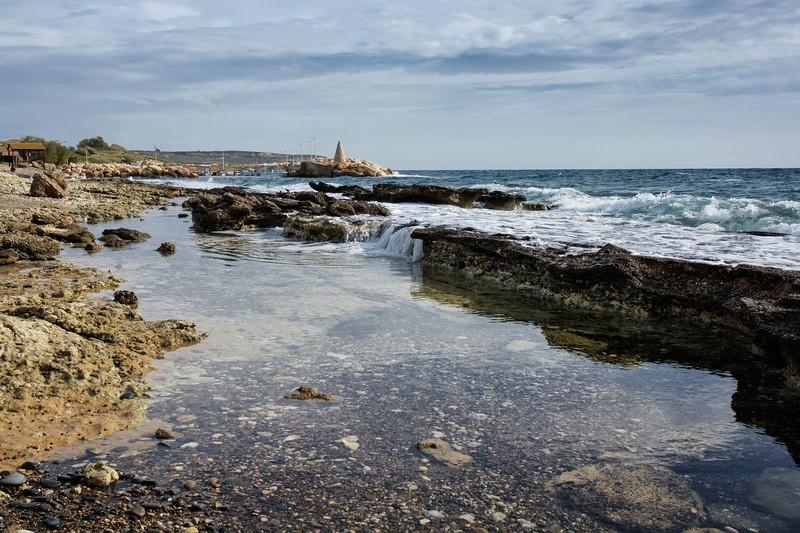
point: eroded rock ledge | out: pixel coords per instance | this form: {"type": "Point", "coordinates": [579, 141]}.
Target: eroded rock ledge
{"type": "Point", "coordinates": [237, 208]}
{"type": "Point", "coordinates": [761, 302]}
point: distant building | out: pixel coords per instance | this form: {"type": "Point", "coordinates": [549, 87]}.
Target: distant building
{"type": "Point", "coordinates": [17, 152]}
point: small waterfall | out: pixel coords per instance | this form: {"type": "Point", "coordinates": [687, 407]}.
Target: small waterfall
{"type": "Point", "coordinates": [397, 241]}
{"type": "Point", "coordinates": [362, 231]}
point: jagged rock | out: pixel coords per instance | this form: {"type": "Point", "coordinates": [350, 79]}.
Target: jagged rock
{"type": "Point", "coordinates": [325, 229]}
{"type": "Point", "coordinates": [127, 234]}
{"type": "Point", "coordinates": [349, 190]}
{"type": "Point", "coordinates": [31, 247]}
{"type": "Point", "coordinates": [745, 298]}
{"type": "Point", "coordinates": [537, 206]}
{"type": "Point", "coordinates": [501, 201]}
{"type": "Point", "coordinates": [166, 248]}
{"type": "Point", "coordinates": [71, 233]}
{"type": "Point", "coordinates": [442, 451]}
{"type": "Point", "coordinates": [428, 194]}
{"type": "Point", "coordinates": [237, 208]}
{"type": "Point", "coordinates": [164, 434]}
{"type": "Point", "coordinates": [50, 186]}
{"type": "Point", "coordinates": [126, 298]}
{"type": "Point", "coordinates": [99, 475]}
{"type": "Point", "coordinates": [632, 497]}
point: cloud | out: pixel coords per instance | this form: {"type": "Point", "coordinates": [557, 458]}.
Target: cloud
{"type": "Point", "coordinates": [415, 64]}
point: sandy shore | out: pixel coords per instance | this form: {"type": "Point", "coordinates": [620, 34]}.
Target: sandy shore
{"type": "Point", "coordinates": [71, 358]}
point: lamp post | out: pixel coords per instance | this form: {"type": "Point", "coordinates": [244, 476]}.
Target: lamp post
{"type": "Point", "coordinates": [309, 147]}
{"type": "Point", "coordinates": [315, 147]}
{"type": "Point", "coordinates": [301, 151]}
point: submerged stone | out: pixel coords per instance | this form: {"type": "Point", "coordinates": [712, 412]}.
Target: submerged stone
{"type": "Point", "coordinates": [632, 497]}
{"type": "Point", "coordinates": [778, 491]}
{"type": "Point", "coordinates": [442, 451]}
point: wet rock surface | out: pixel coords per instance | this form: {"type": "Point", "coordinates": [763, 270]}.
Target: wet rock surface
{"type": "Point", "coordinates": [745, 298]}
{"type": "Point", "coordinates": [431, 194]}
{"type": "Point", "coordinates": [68, 356]}
{"type": "Point", "coordinates": [236, 208]}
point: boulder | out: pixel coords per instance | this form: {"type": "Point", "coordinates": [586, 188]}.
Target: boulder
{"type": "Point", "coordinates": [632, 497]}
{"type": "Point", "coordinates": [126, 298]}
{"type": "Point", "coordinates": [167, 248]}
{"type": "Point", "coordinates": [326, 229]}
{"type": "Point", "coordinates": [49, 186]}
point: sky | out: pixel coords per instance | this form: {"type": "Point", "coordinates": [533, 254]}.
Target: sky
{"type": "Point", "coordinates": [415, 84]}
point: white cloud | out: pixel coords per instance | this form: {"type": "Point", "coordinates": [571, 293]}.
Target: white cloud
{"type": "Point", "coordinates": [413, 70]}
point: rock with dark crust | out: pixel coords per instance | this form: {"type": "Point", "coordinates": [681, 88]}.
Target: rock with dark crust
{"type": "Point", "coordinates": [756, 301]}
{"type": "Point", "coordinates": [237, 208]}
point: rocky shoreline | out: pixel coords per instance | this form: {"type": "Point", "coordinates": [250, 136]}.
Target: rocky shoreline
{"type": "Point", "coordinates": [73, 359]}
{"type": "Point", "coordinates": [76, 357]}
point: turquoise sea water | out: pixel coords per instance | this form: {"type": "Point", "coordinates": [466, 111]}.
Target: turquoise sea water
{"type": "Point", "coordinates": [527, 389]}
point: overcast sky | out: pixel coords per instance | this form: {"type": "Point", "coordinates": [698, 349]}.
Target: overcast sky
{"type": "Point", "coordinates": [415, 84]}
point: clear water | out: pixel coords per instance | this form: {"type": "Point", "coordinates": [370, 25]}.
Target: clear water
{"type": "Point", "coordinates": [526, 390]}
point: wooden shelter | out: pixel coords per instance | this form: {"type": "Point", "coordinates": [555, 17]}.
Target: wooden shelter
{"type": "Point", "coordinates": [17, 152]}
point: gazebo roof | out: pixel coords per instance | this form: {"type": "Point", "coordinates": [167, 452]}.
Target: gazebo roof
{"type": "Point", "coordinates": [33, 147]}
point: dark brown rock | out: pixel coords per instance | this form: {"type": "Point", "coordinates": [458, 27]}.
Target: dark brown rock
{"type": "Point", "coordinates": [501, 201]}
{"type": "Point", "coordinates": [127, 234]}
{"type": "Point", "coordinates": [50, 186]}
{"type": "Point", "coordinates": [166, 248]}
{"type": "Point", "coordinates": [756, 301]}
{"type": "Point", "coordinates": [162, 433]}
{"type": "Point", "coordinates": [426, 194]}
{"type": "Point", "coordinates": [236, 208]}
{"type": "Point", "coordinates": [126, 298]}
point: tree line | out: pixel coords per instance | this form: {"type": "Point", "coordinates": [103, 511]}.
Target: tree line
{"type": "Point", "coordinates": [59, 154]}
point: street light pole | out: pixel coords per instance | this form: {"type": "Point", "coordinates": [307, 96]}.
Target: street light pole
{"type": "Point", "coordinates": [301, 151]}
{"type": "Point", "coordinates": [315, 147]}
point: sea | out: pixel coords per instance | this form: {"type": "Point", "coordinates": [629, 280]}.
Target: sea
{"type": "Point", "coordinates": [528, 389]}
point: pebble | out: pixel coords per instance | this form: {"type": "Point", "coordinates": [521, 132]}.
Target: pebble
{"type": "Point", "coordinates": [435, 514]}
{"type": "Point", "coordinates": [138, 511]}
{"type": "Point", "coordinates": [498, 516]}
{"type": "Point", "coordinates": [14, 480]}
{"type": "Point", "coordinates": [52, 522]}
{"type": "Point", "coordinates": [190, 484]}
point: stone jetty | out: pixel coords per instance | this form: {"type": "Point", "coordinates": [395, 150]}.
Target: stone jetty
{"type": "Point", "coordinates": [339, 165]}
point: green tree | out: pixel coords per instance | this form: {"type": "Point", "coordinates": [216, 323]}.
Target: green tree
{"type": "Point", "coordinates": [96, 143]}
